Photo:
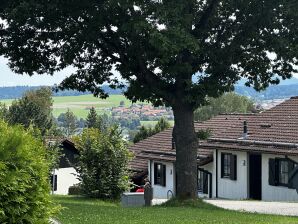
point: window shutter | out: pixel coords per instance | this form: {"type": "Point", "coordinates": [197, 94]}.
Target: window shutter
{"type": "Point", "coordinates": [222, 165]}
{"type": "Point", "coordinates": [272, 172]}
{"type": "Point", "coordinates": [233, 166]}
{"type": "Point", "coordinates": [155, 173]}
{"type": "Point", "coordinates": [54, 182]}
{"type": "Point", "coordinates": [205, 183]}
{"type": "Point", "coordinates": [291, 169]}
{"type": "Point", "coordinates": [163, 175]}
{"type": "Point", "coordinates": [291, 165]}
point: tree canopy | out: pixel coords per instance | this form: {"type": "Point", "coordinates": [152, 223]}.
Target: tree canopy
{"type": "Point", "coordinates": [68, 122]}
{"type": "Point", "coordinates": [227, 103]}
{"type": "Point", "coordinates": [172, 52]}
{"type": "Point", "coordinates": [34, 108]}
{"type": "Point", "coordinates": [103, 163]}
{"type": "Point", "coordinates": [94, 120]}
{"type": "Point", "coordinates": [145, 132]}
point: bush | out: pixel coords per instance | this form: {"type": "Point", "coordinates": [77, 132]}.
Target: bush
{"type": "Point", "coordinates": [24, 180]}
{"type": "Point", "coordinates": [102, 165]}
{"type": "Point", "coordinates": [74, 190]}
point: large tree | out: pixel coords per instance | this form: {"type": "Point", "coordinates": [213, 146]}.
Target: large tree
{"type": "Point", "coordinates": [68, 122]}
{"type": "Point", "coordinates": [171, 52]}
{"type": "Point", "coordinates": [94, 120]}
{"type": "Point", "coordinates": [227, 103]}
{"type": "Point", "coordinates": [34, 108]}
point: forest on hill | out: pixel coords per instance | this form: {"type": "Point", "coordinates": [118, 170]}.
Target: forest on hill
{"type": "Point", "coordinates": [273, 92]}
{"type": "Point", "coordinates": [14, 92]}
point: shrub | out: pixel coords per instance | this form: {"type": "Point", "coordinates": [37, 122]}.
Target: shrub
{"type": "Point", "coordinates": [102, 165]}
{"type": "Point", "coordinates": [74, 190]}
{"type": "Point", "coordinates": [24, 182]}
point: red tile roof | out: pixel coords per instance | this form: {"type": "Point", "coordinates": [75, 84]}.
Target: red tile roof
{"type": "Point", "coordinates": [278, 124]}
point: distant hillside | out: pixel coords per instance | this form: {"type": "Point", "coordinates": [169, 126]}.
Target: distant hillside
{"type": "Point", "coordinates": [272, 92]}
{"type": "Point", "coordinates": [17, 91]}
{"type": "Point", "coordinates": [286, 89]}
{"type": "Point", "coordinates": [291, 81]}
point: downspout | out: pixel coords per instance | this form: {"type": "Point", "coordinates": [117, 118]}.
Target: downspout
{"type": "Point", "coordinates": [216, 173]}
{"type": "Point", "coordinates": [210, 185]}
{"type": "Point", "coordinates": [150, 170]}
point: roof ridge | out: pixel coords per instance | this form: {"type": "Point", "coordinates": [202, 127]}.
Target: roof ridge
{"type": "Point", "coordinates": [238, 114]}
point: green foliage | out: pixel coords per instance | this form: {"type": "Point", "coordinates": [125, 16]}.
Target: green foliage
{"type": "Point", "coordinates": [168, 52]}
{"type": "Point", "coordinates": [215, 42]}
{"type": "Point", "coordinates": [94, 120]}
{"type": "Point", "coordinates": [68, 123]}
{"type": "Point", "coordinates": [103, 161]}
{"type": "Point", "coordinates": [24, 183]}
{"type": "Point", "coordinates": [75, 190]}
{"type": "Point", "coordinates": [145, 132]}
{"type": "Point", "coordinates": [3, 111]}
{"type": "Point", "coordinates": [204, 134]}
{"type": "Point", "coordinates": [227, 103]}
{"type": "Point", "coordinates": [34, 108]}
{"type": "Point", "coordinates": [53, 155]}
{"type": "Point", "coordinates": [161, 125]}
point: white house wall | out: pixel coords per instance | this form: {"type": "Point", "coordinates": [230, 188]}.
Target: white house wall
{"type": "Point", "coordinates": [233, 189]}
{"type": "Point", "coordinates": [161, 192]}
{"type": "Point", "coordinates": [275, 193]}
{"type": "Point", "coordinates": [66, 177]}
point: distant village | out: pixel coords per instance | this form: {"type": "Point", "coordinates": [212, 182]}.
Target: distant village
{"type": "Point", "coordinates": [144, 112]}
{"type": "Point", "coordinates": [267, 104]}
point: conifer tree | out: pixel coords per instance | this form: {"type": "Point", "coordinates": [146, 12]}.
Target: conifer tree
{"type": "Point", "coordinates": [168, 52]}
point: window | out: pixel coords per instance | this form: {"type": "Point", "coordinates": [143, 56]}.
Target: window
{"type": "Point", "coordinates": [283, 172]}
{"type": "Point", "coordinates": [228, 166]}
{"type": "Point", "coordinates": [279, 170]}
{"type": "Point", "coordinates": [159, 174]}
{"type": "Point", "coordinates": [200, 180]}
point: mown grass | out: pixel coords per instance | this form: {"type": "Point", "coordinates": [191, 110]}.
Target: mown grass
{"type": "Point", "coordinates": [78, 210]}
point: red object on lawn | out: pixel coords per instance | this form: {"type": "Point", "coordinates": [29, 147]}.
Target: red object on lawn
{"type": "Point", "coordinates": [140, 190]}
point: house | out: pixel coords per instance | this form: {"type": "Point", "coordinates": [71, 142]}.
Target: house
{"type": "Point", "coordinates": [247, 156]}
{"type": "Point", "coordinates": [65, 175]}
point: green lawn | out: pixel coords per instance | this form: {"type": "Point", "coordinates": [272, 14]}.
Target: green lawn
{"type": "Point", "coordinates": [90, 211]}
{"type": "Point", "coordinates": [80, 105]}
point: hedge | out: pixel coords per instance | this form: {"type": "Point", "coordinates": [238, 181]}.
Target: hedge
{"type": "Point", "coordinates": [24, 178]}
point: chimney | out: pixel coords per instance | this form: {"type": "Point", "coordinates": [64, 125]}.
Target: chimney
{"type": "Point", "coordinates": [245, 133]}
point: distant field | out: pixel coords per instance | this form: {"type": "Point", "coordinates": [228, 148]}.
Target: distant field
{"type": "Point", "coordinates": [80, 105]}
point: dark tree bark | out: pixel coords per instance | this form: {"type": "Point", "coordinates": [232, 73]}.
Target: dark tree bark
{"type": "Point", "coordinates": [186, 151]}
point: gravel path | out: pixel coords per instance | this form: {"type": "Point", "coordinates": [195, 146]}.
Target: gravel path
{"type": "Point", "coordinates": [276, 208]}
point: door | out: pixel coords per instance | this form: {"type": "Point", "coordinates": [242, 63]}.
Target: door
{"type": "Point", "coordinates": [255, 176]}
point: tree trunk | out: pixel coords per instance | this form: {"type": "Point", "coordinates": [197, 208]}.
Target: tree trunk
{"type": "Point", "coordinates": [186, 152]}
